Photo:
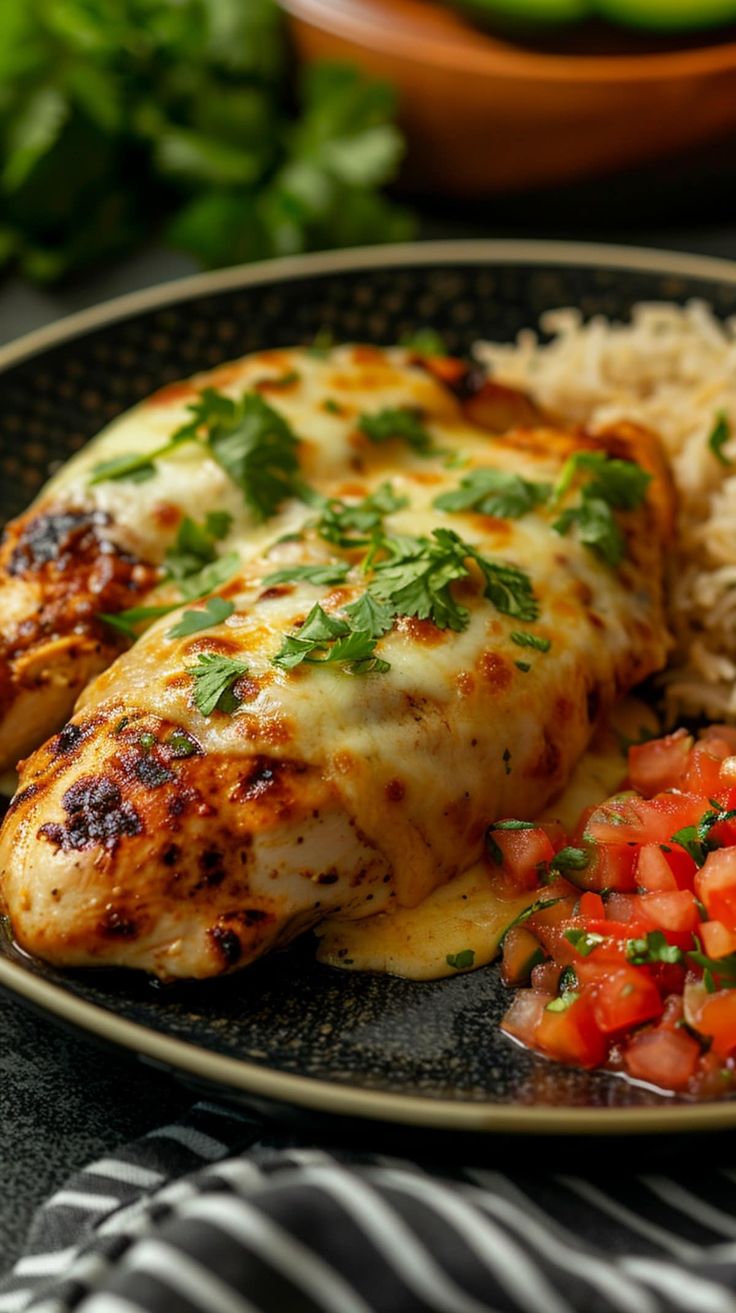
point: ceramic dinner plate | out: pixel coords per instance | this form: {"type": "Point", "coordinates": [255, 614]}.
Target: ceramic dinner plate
{"type": "Point", "coordinates": [289, 1034]}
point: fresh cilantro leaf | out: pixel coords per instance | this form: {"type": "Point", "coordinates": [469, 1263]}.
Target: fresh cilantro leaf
{"type": "Point", "coordinates": [127, 622]}
{"type": "Point", "coordinates": [622, 484]}
{"type": "Point", "coordinates": [351, 525]}
{"type": "Point", "coordinates": [564, 1001]}
{"type": "Point", "coordinates": [651, 948]}
{"type": "Point", "coordinates": [614, 485]}
{"type": "Point", "coordinates": [523, 666]}
{"type": "Point", "coordinates": [325, 639]}
{"type": "Point", "coordinates": [462, 960]}
{"type": "Point", "coordinates": [415, 578]}
{"type": "Point", "coordinates": [403, 422]}
{"type": "Point", "coordinates": [425, 342]}
{"type": "Point", "coordinates": [513, 825]}
{"type": "Point", "coordinates": [523, 639]}
{"type": "Point", "coordinates": [331, 406]}
{"type": "Point", "coordinates": [597, 528]}
{"type": "Point", "coordinates": [214, 677]}
{"type": "Point", "coordinates": [584, 941]}
{"type": "Point", "coordinates": [568, 980]}
{"type": "Point", "coordinates": [718, 972]}
{"type": "Point", "coordinates": [181, 744]}
{"type": "Point", "coordinates": [136, 468]}
{"type": "Point", "coordinates": [218, 524]}
{"type": "Point", "coordinates": [258, 450]}
{"type": "Point", "coordinates": [214, 611]}
{"type": "Point", "coordinates": [327, 572]}
{"type": "Point", "coordinates": [538, 905]}
{"type": "Point", "coordinates": [210, 577]}
{"type": "Point", "coordinates": [570, 859]}
{"type": "Point", "coordinates": [369, 615]}
{"type": "Point", "coordinates": [193, 547]}
{"type": "Point", "coordinates": [719, 436]}
{"type": "Point", "coordinates": [147, 741]}
{"type": "Point", "coordinates": [696, 839]}
{"type": "Point", "coordinates": [494, 492]}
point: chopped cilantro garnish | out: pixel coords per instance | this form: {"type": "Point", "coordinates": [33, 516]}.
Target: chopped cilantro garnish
{"type": "Point", "coordinates": [564, 1002]}
{"type": "Point", "coordinates": [696, 839]}
{"type": "Point", "coordinates": [146, 741]}
{"type": "Point", "coordinates": [719, 436]}
{"type": "Point", "coordinates": [494, 492]}
{"type": "Point", "coordinates": [651, 948]}
{"type": "Point", "coordinates": [194, 545]}
{"type": "Point", "coordinates": [462, 960]}
{"type": "Point", "coordinates": [214, 676]}
{"type": "Point", "coordinates": [127, 622]}
{"type": "Point", "coordinates": [523, 666]}
{"type": "Point", "coordinates": [568, 980]}
{"type": "Point", "coordinates": [180, 744]}
{"type": "Point", "coordinates": [326, 572]}
{"type": "Point", "coordinates": [537, 906]}
{"type": "Point", "coordinates": [718, 972]}
{"type": "Point", "coordinates": [404, 422]}
{"type": "Point", "coordinates": [570, 859]}
{"type": "Point", "coordinates": [614, 485]}
{"type": "Point", "coordinates": [415, 577]}
{"type": "Point", "coordinates": [352, 524]}
{"type": "Point", "coordinates": [214, 611]}
{"type": "Point", "coordinates": [584, 941]}
{"type": "Point", "coordinates": [331, 406]}
{"type": "Point", "coordinates": [523, 639]}
{"type": "Point", "coordinates": [325, 639]}
{"type": "Point", "coordinates": [322, 344]}
{"type": "Point", "coordinates": [258, 450]}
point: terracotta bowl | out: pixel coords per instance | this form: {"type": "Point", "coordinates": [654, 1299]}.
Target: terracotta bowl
{"type": "Point", "coordinates": [483, 115]}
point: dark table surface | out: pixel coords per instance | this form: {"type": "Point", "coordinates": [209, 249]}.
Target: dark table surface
{"type": "Point", "coordinates": [63, 1102]}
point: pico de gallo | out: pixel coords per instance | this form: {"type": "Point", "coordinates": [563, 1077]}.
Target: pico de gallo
{"type": "Point", "coordinates": [627, 956]}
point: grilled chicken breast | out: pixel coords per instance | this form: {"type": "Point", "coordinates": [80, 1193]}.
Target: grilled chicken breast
{"type": "Point", "coordinates": [163, 831]}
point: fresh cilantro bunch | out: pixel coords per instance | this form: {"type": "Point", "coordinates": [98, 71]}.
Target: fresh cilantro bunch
{"type": "Point", "coordinates": [120, 117]}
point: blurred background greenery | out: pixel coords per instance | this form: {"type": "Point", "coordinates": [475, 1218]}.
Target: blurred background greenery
{"type": "Point", "coordinates": [118, 117]}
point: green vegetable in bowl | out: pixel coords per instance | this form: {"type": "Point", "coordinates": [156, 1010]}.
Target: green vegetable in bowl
{"type": "Point", "coordinates": [668, 15]}
{"type": "Point", "coordinates": [661, 15]}
{"type": "Point", "coordinates": [529, 11]}
{"type": "Point", "coordinates": [121, 118]}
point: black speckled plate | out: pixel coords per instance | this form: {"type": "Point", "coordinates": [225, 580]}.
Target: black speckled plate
{"type": "Point", "coordinates": [290, 1035]}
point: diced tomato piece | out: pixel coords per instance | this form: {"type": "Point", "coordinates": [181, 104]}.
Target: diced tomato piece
{"type": "Point", "coordinates": [715, 884]}
{"type": "Point", "coordinates": [718, 940]}
{"type": "Point", "coordinates": [521, 952]}
{"type": "Point", "coordinates": [523, 851]}
{"type": "Point", "coordinates": [675, 912]}
{"type": "Point", "coordinates": [638, 820]}
{"type": "Point", "coordinates": [592, 905]}
{"type": "Point", "coordinates": [623, 907]}
{"type": "Point", "coordinates": [572, 1035]}
{"type": "Point", "coordinates": [626, 997]}
{"type": "Point", "coordinates": [653, 872]}
{"type": "Point", "coordinates": [611, 866]}
{"type": "Point", "coordinates": [717, 1019]}
{"type": "Point", "coordinates": [712, 1080]}
{"type": "Point", "coordinates": [555, 832]}
{"type": "Point", "coordinates": [727, 773]}
{"type": "Point", "coordinates": [659, 764]}
{"type": "Point", "coordinates": [523, 1016]}
{"type": "Point", "coordinates": [726, 733]}
{"type": "Point", "coordinates": [673, 1012]}
{"type": "Point", "coordinates": [703, 773]}
{"type": "Point", "coordinates": [664, 1057]}
{"type": "Point", "coordinates": [669, 977]}
{"type": "Point", "coordinates": [681, 864]}
{"type": "Point", "coordinates": [559, 910]}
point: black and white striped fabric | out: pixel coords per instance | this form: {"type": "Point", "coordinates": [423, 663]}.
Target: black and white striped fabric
{"type": "Point", "coordinates": [202, 1216]}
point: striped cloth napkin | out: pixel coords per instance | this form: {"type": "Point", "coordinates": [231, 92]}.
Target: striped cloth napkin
{"type": "Point", "coordinates": [203, 1216]}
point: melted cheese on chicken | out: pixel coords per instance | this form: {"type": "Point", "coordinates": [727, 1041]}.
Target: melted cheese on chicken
{"type": "Point", "coordinates": [322, 793]}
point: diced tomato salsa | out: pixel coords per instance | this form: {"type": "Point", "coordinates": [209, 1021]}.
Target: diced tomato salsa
{"type": "Point", "coordinates": [627, 957]}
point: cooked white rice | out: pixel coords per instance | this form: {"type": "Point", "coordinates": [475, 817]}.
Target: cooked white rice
{"type": "Point", "coordinates": [672, 369]}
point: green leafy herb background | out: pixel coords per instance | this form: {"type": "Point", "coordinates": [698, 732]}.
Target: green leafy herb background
{"type": "Point", "coordinates": [120, 119]}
